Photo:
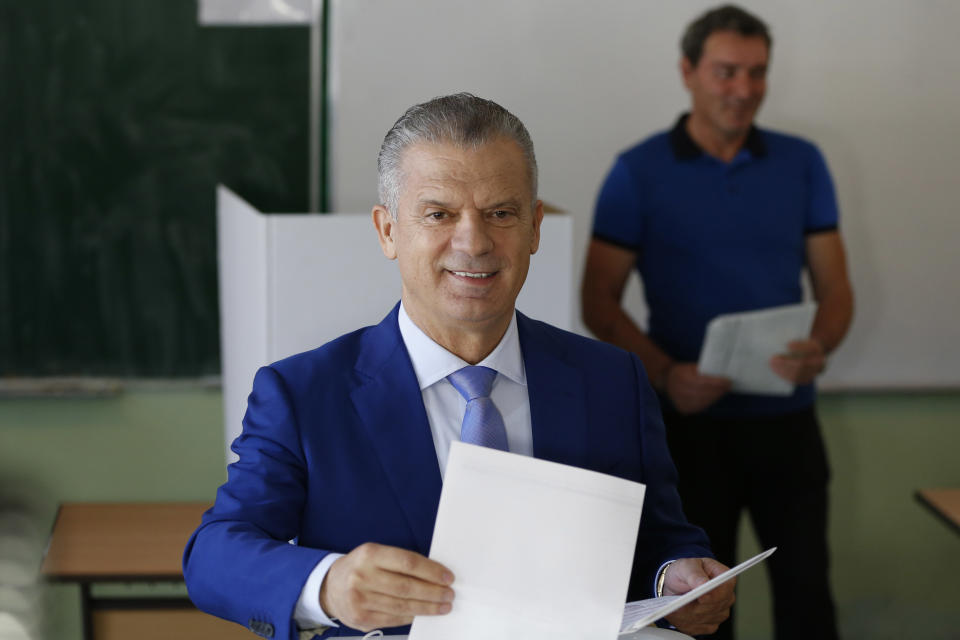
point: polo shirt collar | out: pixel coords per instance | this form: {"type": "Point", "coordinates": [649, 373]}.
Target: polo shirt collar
{"type": "Point", "coordinates": [684, 148]}
{"type": "Point", "coordinates": [432, 363]}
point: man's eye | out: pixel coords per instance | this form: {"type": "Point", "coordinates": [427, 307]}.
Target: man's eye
{"type": "Point", "coordinates": [501, 214]}
{"type": "Point", "coordinates": [437, 215]}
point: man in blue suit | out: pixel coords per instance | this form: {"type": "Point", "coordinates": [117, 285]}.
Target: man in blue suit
{"type": "Point", "coordinates": [325, 521]}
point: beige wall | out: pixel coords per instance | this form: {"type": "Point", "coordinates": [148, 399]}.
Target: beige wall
{"type": "Point", "coordinates": [869, 81]}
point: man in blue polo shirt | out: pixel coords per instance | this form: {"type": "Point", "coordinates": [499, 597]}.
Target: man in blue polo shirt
{"type": "Point", "coordinates": [720, 216]}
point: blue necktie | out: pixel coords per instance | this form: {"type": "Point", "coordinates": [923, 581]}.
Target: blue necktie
{"type": "Point", "coordinates": [482, 422]}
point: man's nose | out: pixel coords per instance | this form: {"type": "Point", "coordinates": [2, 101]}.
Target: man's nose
{"type": "Point", "coordinates": [742, 86]}
{"type": "Point", "coordinates": [471, 235]}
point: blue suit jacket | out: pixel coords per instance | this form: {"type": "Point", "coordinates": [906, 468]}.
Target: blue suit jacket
{"type": "Point", "coordinates": [336, 451]}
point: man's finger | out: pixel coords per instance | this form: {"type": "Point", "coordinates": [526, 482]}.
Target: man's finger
{"type": "Point", "coordinates": [372, 572]}
{"type": "Point", "coordinates": [403, 607]}
{"type": "Point", "coordinates": [710, 598]}
{"type": "Point", "coordinates": [805, 347]}
{"type": "Point", "coordinates": [798, 370]}
{"type": "Point", "coordinates": [408, 563]}
{"type": "Point", "coordinates": [709, 610]}
{"type": "Point", "coordinates": [696, 620]}
{"type": "Point", "coordinates": [713, 568]}
{"type": "Point", "coordinates": [683, 575]}
{"type": "Point", "coordinates": [716, 382]}
{"type": "Point", "coordinates": [698, 379]}
{"type": "Point", "coordinates": [404, 586]}
{"type": "Point", "coordinates": [785, 367]}
{"type": "Point", "coordinates": [721, 596]}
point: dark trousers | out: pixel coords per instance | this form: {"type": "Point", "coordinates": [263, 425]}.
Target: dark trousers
{"type": "Point", "coordinates": [776, 468]}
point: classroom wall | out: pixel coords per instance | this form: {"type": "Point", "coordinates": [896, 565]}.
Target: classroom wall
{"type": "Point", "coordinates": [895, 564]}
{"type": "Point", "coordinates": [872, 82]}
{"type": "Point", "coordinates": [149, 445]}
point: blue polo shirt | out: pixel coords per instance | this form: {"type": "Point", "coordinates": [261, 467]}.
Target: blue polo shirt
{"type": "Point", "coordinates": [714, 237]}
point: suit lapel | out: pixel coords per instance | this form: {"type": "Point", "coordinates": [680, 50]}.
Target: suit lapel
{"type": "Point", "coordinates": [390, 406]}
{"type": "Point", "coordinates": [557, 409]}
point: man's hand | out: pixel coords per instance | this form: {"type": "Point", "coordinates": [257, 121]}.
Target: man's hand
{"type": "Point", "coordinates": [703, 615]}
{"type": "Point", "coordinates": [377, 586]}
{"type": "Point", "coordinates": [802, 362]}
{"type": "Point", "coordinates": [690, 391]}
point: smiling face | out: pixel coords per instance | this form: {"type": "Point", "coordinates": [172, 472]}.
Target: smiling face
{"type": "Point", "coordinates": [464, 232]}
{"type": "Point", "coordinates": [728, 83]}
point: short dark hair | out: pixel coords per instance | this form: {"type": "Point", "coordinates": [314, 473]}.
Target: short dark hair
{"type": "Point", "coordinates": [726, 18]}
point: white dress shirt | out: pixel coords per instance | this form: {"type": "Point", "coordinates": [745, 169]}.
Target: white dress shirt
{"type": "Point", "coordinates": [445, 408]}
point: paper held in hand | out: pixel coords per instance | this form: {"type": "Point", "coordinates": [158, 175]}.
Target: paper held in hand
{"type": "Point", "coordinates": [538, 549]}
{"type": "Point", "coordinates": [637, 615]}
{"type": "Point", "coordinates": [739, 346]}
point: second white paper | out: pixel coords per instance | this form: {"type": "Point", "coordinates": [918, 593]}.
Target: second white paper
{"type": "Point", "coordinates": [739, 346]}
{"type": "Point", "coordinates": [538, 549]}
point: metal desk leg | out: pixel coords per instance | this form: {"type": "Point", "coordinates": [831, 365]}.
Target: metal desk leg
{"type": "Point", "coordinates": [86, 610]}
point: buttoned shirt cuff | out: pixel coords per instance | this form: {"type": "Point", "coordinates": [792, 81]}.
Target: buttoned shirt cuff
{"type": "Point", "coordinates": [656, 576]}
{"type": "Point", "coordinates": [656, 579]}
{"type": "Point", "coordinates": [308, 613]}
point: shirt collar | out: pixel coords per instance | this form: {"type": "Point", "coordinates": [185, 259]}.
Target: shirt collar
{"type": "Point", "coordinates": [432, 363]}
{"type": "Point", "coordinates": [684, 148]}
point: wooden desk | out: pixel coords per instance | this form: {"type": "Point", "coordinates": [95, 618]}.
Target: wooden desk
{"type": "Point", "coordinates": [130, 542]}
{"type": "Point", "coordinates": [943, 502]}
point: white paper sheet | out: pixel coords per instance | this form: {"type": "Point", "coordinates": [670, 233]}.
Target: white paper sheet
{"type": "Point", "coordinates": [637, 615]}
{"type": "Point", "coordinates": [649, 633]}
{"type": "Point", "coordinates": [539, 549]}
{"type": "Point", "coordinates": [739, 346]}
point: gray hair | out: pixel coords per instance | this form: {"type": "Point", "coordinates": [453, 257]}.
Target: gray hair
{"type": "Point", "coordinates": [461, 119]}
{"type": "Point", "coordinates": [726, 18]}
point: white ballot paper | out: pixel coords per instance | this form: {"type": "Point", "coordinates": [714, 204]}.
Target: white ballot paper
{"type": "Point", "coordinates": [538, 549]}
{"type": "Point", "coordinates": [637, 615]}
{"type": "Point", "coordinates": [739, 346]}
{"type": "Point", "coordinates": [649, 633]}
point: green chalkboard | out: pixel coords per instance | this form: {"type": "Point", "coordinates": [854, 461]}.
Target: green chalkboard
{"type": "Point", "coordinates": [118, 118]}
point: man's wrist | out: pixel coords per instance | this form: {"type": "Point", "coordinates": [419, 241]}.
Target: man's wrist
{"type": "Point", "coordinates": [822, 344]}
{"type": "Point", "coordinates": [660, 382]}
{"type": "Point", "coordinates": [308, 612]}
{"type": "Point", "coordinates": [662, 577]}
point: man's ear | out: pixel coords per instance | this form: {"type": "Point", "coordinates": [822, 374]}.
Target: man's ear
{"type": "Point", "coordinates": [537, 219]}
{"type": "Point", "coordinates": [386, 227]}
{"type": "Point", "coordinates": [687, 69]}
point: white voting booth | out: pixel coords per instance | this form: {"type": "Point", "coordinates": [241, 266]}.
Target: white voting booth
{"type": "Point", "coordinates": [291, 282]}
